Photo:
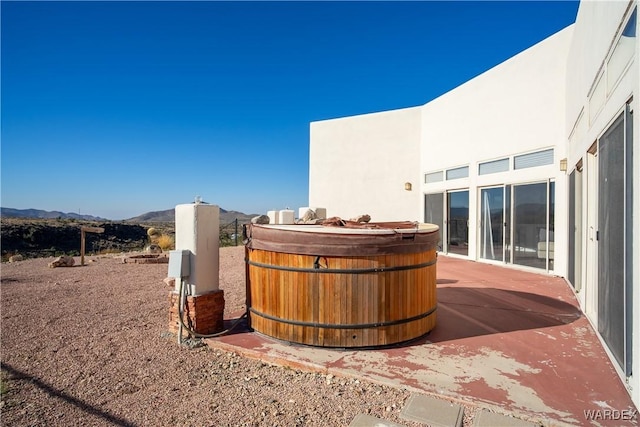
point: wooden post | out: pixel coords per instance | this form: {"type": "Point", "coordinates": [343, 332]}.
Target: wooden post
{"type": "Point", "coordinates": [83, 230]}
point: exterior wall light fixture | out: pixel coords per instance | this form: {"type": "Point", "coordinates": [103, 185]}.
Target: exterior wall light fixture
{"type": "Point", "coordinates": [407, 186]}
{"type": "Point", "coordinates": [563, 165]}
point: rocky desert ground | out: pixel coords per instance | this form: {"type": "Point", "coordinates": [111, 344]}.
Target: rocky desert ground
{"type": "Point", "coordinates": [89, 346]}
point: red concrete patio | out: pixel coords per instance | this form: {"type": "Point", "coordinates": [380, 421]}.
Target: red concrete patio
{"type": "Point", "coordinates": [512, 341]}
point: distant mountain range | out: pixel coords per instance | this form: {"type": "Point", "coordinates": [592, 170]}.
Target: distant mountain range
{"type": "Point", "coordinates": [40, 214]}
{"type": "Point", "coordinates": [169, 215]}
{"type": "Point", "coordinates": [156, 216]}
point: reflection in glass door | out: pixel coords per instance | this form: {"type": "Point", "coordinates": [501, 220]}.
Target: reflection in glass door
{"type": "Point", "coordinates": [434, 213]}
{"type": "Point", "coordinates": [533, 227]}
{"type": "Point", "coordinates": [575, 228]}
{"type": "Point", "coordinates": [492, 223]}
{"type": "Point", "coordinates": [611, 235]}
{"type": "Point", "coordinates": [517, 224]}
{"type": "Point", "coordinates": [458, 222]}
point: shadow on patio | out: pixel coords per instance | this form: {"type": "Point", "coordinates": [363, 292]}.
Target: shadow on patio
{"type": "Point", "coordinates": [509, 340]}
{"type": "Point", "coordinates": [465, 312]}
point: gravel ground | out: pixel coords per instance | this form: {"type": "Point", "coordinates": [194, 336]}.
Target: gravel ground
{"type": "Point", "coordinates": [90, 346]}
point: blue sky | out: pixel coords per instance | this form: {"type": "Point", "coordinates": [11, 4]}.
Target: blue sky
{"type": "Point", "coordinates": [115, 109]}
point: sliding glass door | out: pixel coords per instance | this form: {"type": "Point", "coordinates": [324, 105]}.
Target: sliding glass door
{"type": "Point", "coordinates": [458, 222]}
{"type": "Point", "coordinates": [492, 223]}
{"type": "Point", "coordinates": [452, 218]}
{"type": "Point", "coordinates": [434, 213]}
{"type": "Point", "coordinates": [516, 224]}
{"type": "Point", "coordinates": [613, 236]}
{"type": "Point", "coordinates": [575, 228]}
{"type": "Point", "coordinates": [533, 225]}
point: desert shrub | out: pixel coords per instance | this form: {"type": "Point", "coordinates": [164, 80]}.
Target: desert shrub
{"type": "Point", "coordinates": [165, 241]}
{"type": "Point", "coordinates": [153, 234]}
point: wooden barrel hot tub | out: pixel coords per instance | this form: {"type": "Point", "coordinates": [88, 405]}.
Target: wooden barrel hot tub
{"type": "Point", "coordinates": [342, 287]}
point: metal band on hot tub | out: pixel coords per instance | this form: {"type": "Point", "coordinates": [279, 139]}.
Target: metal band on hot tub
{"type": "Point", "coordinates": [342, 270]}
{"type": "Point", "coordinates": [342, 287]}
{"type": "Point", "coordinates": [346, 326]}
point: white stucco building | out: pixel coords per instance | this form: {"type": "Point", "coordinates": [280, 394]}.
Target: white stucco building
{"type": "Point", "coordinates": [533, 164]}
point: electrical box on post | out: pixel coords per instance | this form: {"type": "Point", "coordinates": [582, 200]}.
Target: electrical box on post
{"type": "Point", "coordinates": [179, 265]}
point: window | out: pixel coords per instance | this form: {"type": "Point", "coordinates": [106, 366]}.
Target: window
{"type": "Point", "coordinates": [539, 158]}
{"type": "Point", "coordinates": [597, 99]}
{"type": "Point", "coordinates": [579, 129]}
{"type": "Point", "coordinates": [434, 212]}
{"type": "Point", "coordinates": [622, 53]}
{"type": "Point", "coordinates": [494, 166]}
{"type": "Point", "coordinates": [457, 173]}
{"type": "Point", "coordinates": [433, 177]}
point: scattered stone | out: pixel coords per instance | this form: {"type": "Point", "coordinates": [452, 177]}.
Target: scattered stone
{"type": "Point", "coordinates": [146, 259]}
{"type": "Point", "coordinates": [153, 249]}
{"type": "Point", "coordinates": [334, 221]}
{"type": "Point", "coordinates": [361, 218]}
{"type": "Point", "coordinates": [192, 343]}
{"type": "Point", "coordinates": [262, 219]}
{"type": "Point", "coordinates": [62, 261]}
{"type": "Point", "coordinates": [15, 258]}
{"type": "Point", "coordinates": [368, 420]}
{"type": "Point", "coordinates": [170, 281]}
{"type": "Point", "coordinates": [309, 217]}
{"type": "Point", "coordinates": [146, 355]}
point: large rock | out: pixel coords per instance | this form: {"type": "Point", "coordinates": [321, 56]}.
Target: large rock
{"type": "Point", "coordinates": [262, 219]}
{"type": "Point", "coordinates": [365, 218]}
{"type": "Point", "coordinates": [153, 249]}
{"type": "Point", "coordinates": [62, 261]}
{"type": "Point", "coordinates": [310, 217]}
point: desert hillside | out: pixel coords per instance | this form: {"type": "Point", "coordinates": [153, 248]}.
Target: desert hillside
{"type": "Point", "coordinates": [34, 238]}
{"type": "Point", "coordinates": [34, 233]}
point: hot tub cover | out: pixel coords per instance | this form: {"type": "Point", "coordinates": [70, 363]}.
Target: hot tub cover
{"type": "Point", "coordinates": [350, 240]}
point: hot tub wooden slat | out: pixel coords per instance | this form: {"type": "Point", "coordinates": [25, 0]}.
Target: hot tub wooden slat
{"type": "Point", "coordinates": [297, 299]}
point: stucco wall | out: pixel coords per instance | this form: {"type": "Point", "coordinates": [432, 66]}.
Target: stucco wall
{"type": "Point", "coordinates": [536, 100]}
{"type": "Point", "coordinates": [598, 26]}
{"type": "Point", "coordinates": [516, 107]}
{"type": "Point", "coordinates": [360, 165]}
